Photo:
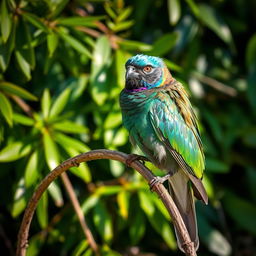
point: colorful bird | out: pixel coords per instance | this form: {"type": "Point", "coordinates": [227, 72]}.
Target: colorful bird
{"type": "Point", "coordinates": [161, 122]}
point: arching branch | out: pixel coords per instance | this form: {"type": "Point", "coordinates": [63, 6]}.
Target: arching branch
{"type": "Point", "coordinates": [163, 194]}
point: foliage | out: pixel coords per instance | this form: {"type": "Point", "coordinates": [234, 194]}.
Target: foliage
{"type": "Point", "coordinates": [62, 69]}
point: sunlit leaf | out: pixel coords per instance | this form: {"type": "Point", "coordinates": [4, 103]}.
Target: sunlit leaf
{"type": "Point", "coordinates": [101, 60]}
{"type": "Point", "coordinates": [24, 120]}
{"type": "Point", "coordinates": [52, 43]}
{"type": "Point", "coordinates": [103, 222]}
{"type": "Point", "coordinates": [146, 203]}
{"type": "Point", "coordinates": [80, 21]}
{"type": "Point", "coordinates": [73, 42]}
{"type": "Point", "coordinates": [113, 119]}
{"type": "Point", "coordinates": [14, 151]}
{"type": "Point", "coordinates": [174, 11]}
{"type": "Point", "coordinates": [46, 103]}
{"type": "Point", "coordinates": [60, 103]}
{"type": "Point", "coordinates": [164, 44]}
{"type": "Point", "coordinates": [42, 210]}
{"type": "Point", "coordinates": [89, 203]}
{"type": "Point", "coordinates": [123, 199]}
{"type": "Point", "coordinates": [6, 109]}
{"type": "Point", "coordinates": [134, 45]}
{"type": "Point", "coordinates": [6, 22]}
{"type": "Point", "coordinates": [55, 192]}
{"type": "Point", "coordinates": [31, 169]}
{"type": "Point", "coordinates": [80, 249]}
{"type": "Point", "coordinates": [209, 16]}
{"type": "Point", "coordinates": [7, 48]}
{"type": "Point", "coordinates": [70, 127]}
{"type": "Point", "coordinates": [20, 199]}
{"type": "Point", "coordinates": [51, 151]}
{"type": "Point", "coordinates": [16, 90]}
{"type": "Point", "coordinates": [36, 21]}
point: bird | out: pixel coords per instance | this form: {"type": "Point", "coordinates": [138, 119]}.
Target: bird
{"type": "Point", "coordinates": [160, 120]}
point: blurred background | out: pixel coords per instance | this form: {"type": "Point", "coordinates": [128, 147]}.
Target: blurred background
{"type": "Point", "coordinates": [62, 69]}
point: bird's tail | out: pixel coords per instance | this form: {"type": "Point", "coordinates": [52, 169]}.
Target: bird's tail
{"type": "Point", "coordinates": [182, 195]}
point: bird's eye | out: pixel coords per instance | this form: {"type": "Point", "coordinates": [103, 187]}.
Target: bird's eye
{"type": "Point", "coordinates": [147, 69]}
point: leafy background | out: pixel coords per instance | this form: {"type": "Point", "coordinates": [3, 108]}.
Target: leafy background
{"type": "Point", "coordinates": [62, 69]}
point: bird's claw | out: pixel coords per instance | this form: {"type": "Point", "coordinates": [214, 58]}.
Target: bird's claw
{"type": "Point", "coordinates": [158, 180]}
{"type": "Point", "coordinates": [133, 157]}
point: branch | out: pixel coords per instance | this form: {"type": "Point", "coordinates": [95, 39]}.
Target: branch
{"type": "Point", "coordinates": [188, 246]}
{"type": "Point", "coordinates": [216, 84]}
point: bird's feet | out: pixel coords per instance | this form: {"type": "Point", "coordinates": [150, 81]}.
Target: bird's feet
{"type": "Point", "coordinates": [157, 180]}
{"type": "Point", "coordinates": [133, 157]}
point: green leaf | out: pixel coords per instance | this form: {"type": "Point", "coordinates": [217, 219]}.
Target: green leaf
{"type": "Point", "coordinates": [16, 90]}
{"type": "Point", "coordinates": [241, 211]}
{"type": "Point", "coordinates": [69, 142]}
{"type": "Point", "coordinates": [122, 25]}
{"type": "Point", "coordinates": [70, 127]}
{"type": "Point", "coordinates": [60, 103]}
{"type": "Point", "coordinates": [23, 64]}
{"type": "Point", "coordinates": [73, 42]}
{"type": "Point", "coordinates": [193, 7]}
{"type": "Point", "coordinates": [6, 22]}
{"type": "Point", "coordinates": [52, 43]}
{"type": "Point", "coordinates": [51, 151]}
{"type": "Point", "coordinates": [24, 51]}
{"type": "Point", "coordinates": [46, 103]}
{"type": "Point", "coordinates": [123, 199]}
{"type": "Point", "coordinates": [134, 45]}
{"type": "Point", "coordinates": [36, 21]}
{"type": "Point", "coordinates": [251, 81]}
{"type": "Point", "coordinates": [146, 203]}
{"type": "Point", "coordinates": [6, 109]}
{"type": "Point", "coordinates": [14, 151]}
{"type": "Point", "coordinates": [209, 235]}
{"type": "Point", "coordinates": [100, 63]}
{"type": "Point", "coordinates": [164, 44]}
{"type": "Point", "coordinates": [90, 203]}
{"type": "Point", "coordinates": [162, 226]}
{"type": "Point", "coordinates": [55, 193]}
{"type": "Point", "coordinates": [210, 18]}
{"type": "Point", "coordinates": [174, 11]}
{"type": "Point", "coordinates": [103, 222]}
{"type": "Point", "coordinates": [251, 51]}
{"type": "Point", "coordinates": [80, 249]}
{"type": "Point", "coordinates": [20, 199]}
{"type": "Point", "coordinates": [31, 169]}
{"type": "Point", "coordinates": [89, 21]}
{"type": "Point", "coordinates": [24, 120]}
{"type": "Point", "coordinates": [59, 6]}
{"type": "Point", "coordinates": [215, 165]}
{"type": "Point", "coordinates": [126, 12]}
{"type": "Point", "coordinates": [120, 58]}
{"type": "Point", "coordinates": [6, 49]}
{"type": "Point", "coordinates": [113, 120]}
{"type": "Point", "coordinates": [137, 227]}
{"type": "Point", "coordinates": [42, 210]}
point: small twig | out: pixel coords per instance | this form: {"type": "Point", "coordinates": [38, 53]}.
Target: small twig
{"type": "Point", "coordinates": [216, 84]}
{"type": "Point", "coordinates": [79, 212]}
{"type": "Point", "coordinates": [23, 105]}
{"type": "Point", "coordinates": [94, 155]}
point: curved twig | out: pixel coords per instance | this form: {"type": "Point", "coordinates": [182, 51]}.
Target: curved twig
{"type": "Point", "coordinates": [188, 246]}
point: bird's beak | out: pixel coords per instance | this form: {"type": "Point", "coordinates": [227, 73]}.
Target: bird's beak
{"type": "Point", "coordinates": [131, 73]}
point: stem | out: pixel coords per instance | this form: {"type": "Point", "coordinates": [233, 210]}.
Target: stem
{"type": "Point", "coordinates": [79, 212]}
{"type": "Point", "coordinates": [95, 155]}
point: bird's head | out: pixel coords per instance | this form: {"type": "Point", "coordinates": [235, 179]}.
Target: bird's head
{"type": "Point", "coordinates": [145, 72]}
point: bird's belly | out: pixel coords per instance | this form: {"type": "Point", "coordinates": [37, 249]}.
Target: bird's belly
{"type": "Point", "coordinates": [143, 135]}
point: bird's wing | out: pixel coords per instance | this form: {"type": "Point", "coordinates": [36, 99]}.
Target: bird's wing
{"type": "Point", "coordinates": [182, 140]}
